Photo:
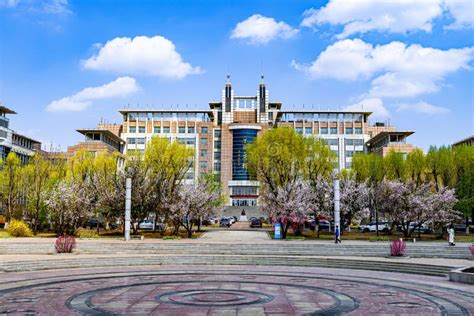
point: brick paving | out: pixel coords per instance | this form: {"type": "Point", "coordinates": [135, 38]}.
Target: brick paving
{"type": "Point", "coordinates": [230, 290]}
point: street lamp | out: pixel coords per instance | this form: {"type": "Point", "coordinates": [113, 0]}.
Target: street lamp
{"type": "Point", "coordinates": [337, 212]}
{"type": "Point", "coordinates": [128, 206]}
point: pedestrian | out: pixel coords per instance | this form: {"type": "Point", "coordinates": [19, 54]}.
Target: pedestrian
{"type": "Point", "coordinates": [451, 236]}
{"type": "Point", "coordinates": [338, 235]}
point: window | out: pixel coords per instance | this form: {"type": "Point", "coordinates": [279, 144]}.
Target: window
{"type": "Point", "coordinates": [204, 129]}
{"type": "Point", "coordinates": [132, 129]}
{"type": "Point", "coordinates": [157, 129]}
{"type": "Point", "coordinates": [217, 133]}
{"type": "Point", "coordinates": [203, 166]}
{"type": "Point", "coordinates": [299, 130]}
{"type": "Point", "coordinates": [358, 142]}
{"type": "Point", "coordinates": [141, 141]}
{"type": "Point", "coordinates": [141, 129]}
{"type": "Point", "coordinates": [349, 130]}
{"type": "Point", "coordinates": [182, 129]}
{"type": "Point", "coordinates": [217, 166]}
{"type": "Point", "coordinates": [244, 202]}
{"type": "Point", "coordinates": [131, 141]}
{"type": "Point", "coordinates": [217, 144]}
{"type": "Point", "coordinates": [166, 129]}
{"type": "Point", "coordinates": [191, 129]}
{"type": "Point", "coordinates": [358, 130]}
{"type": "Point", "coordinates": [324, 130]}
{"type": "Point", "coordinates": [349, 153]}
{"type": "Point", "coordinates": [308, 130]}
{"type": "Point", "coordinates": [332, 141]}
{"type": "Point", "coordinates": [217, 155]}
{"type": "Point", "coordinates": [204, 141]}
{"type": "Point", "coordinates": [333, 130]}
{"type": "Point", "coordinates": [348, 164]}
{"type": "Point", "coordinates": [203, 152]}
{"type": "Point", "coordinates": [244, 190]}
{"type": "Point", "coordinates": [349, 142]}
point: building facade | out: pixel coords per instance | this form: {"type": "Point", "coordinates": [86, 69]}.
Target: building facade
{"type": "Point", "coordinates": [10, 141]}
{"type": "Point", "coordinates": [219, 136]}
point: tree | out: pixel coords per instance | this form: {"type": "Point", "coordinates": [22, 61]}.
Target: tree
{"type": "Point", "coordinates": [193, 202]}
{"type": "Point", "coordinates": [37, 178]}
{"type": "Point", "coordinates": [354, 200]}
{"type": "Point", "coordinates": [322, 199]}
{"type": "Point", "coordinates": [320, 159]}
{"type": "Point", "coordinates": [394, 165]}
{"type": "Point", "coordinates": [441, 165]}
{"type": "Point", "coordinates": [405, 203]}
{"type": "Point", "coordinates": [465, 195]}
{"type": "Point", "coordinates": [11, 185]}
{"type": "Point", "coordinates": [168, 163]}
{"type": "Point", "coordinates": [289, 205]}
{"type": "Point", "coordinates": [276, 158]}
{"type": "Point", "coordinates": [416, 166]}
{"type": "Point", "coordinates": [68, 203]}
{"type": "Point", "coordinates": [108, 183]}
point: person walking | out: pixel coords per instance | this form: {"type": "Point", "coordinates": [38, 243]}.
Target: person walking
{"type": "Point", "coordinates": [451, 236]}
{"type": "Point", "coordinates": [338, 235]}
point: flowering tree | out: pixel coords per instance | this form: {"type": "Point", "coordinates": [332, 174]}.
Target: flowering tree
{"type": "Point", "coordinates": [191, 203]}
{"type": "Point", "coordinates": [354, 200]}
{"type": "Point", "coordinates": [68, 204]}
{"type": "Point", "coordinates": [289, 205]}
{"type": "Point", "coordinates": [406, 203]}
{"type": "Point", "coordinates": [322, 198]}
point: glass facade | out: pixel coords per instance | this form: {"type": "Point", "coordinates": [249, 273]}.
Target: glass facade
{"type": "Point", "coordinates": [241, 138]}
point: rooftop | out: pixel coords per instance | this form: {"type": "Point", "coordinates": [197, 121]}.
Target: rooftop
{"type": "Point", "coordinates": [384, 134]}
{"type": "Point", "coordinates": [5, 110]}
{"type": "Point", "coordinates": [470, 138]}
{"type": "Point", "coordinates": [103, 131]}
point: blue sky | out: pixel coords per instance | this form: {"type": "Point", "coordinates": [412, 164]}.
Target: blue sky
{"type": "Point", "coordinates": [66, 64]}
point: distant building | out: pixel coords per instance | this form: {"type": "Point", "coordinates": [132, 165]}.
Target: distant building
{"type": "Point", "coordinates": [466, 141]}
{"type": "Point", "coordinates": [219, 136]}
{"type": "Point", "coordinates": [10, 141]}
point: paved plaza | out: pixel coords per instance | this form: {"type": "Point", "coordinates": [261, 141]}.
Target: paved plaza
{"type": "Point", "coordinates": [230, 290]}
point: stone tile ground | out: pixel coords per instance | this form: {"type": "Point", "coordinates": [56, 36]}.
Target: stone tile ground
{"type": "Point", "coordinates": [230, 290]}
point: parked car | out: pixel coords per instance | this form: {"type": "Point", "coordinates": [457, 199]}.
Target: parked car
{"type": "Point", "coordinates": [371, 227]}
{"type": "Point", "coordinates": [424, 228]}
{"type": "Point", "coordinates": [256, 222]}
{"type": "Point", "coordinates": [225, 222]}
{"type": "Point", "coordinates": [92, 223]}
{"type": "Point", "coordinates": [146, 225]}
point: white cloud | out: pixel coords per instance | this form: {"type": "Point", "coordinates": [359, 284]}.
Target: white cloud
{"type": "Point", "coordinates": [142, 55]}
{"type": "Point", "coordinates": [374, 105]}
{"type": "Point", "coordinates": [462, 12]}
{"type": "Point", "coordinates": [9, 3]}
{"type": "Point", "coordinates": [259, 29]}
{"type": "Point", "coordinates": [120, 87]}
{"type": "Point", "coordinates": [423, 108]}
{"type": "Point", "coordinates": [399, 70]}
{"type": "Point", "coordinates": [394, 16]}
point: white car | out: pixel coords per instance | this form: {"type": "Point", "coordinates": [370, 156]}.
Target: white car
{"type": "Point", "coordinates": [371, 227]}
{"type": "Point", "coordinates": [146, 224]}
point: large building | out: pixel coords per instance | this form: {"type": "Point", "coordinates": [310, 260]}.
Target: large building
{"type": "Point", "coordinates": [219, 136]}
{"type": "Point", "coordinates": [10, 141]}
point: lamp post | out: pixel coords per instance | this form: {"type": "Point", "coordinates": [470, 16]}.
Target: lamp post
{"type": "Point", "coordinates": [337, 212]}
{"type": "Point", "coordinates": [128, 206]}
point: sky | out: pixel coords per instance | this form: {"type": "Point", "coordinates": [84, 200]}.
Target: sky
{"type": "Point", "coordinates": [69, 64]}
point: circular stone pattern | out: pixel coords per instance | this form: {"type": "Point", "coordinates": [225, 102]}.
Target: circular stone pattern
{"type": "Point", "coordinates": [178, 290]}
{"type": "Point", "coordinates": [215, 297]}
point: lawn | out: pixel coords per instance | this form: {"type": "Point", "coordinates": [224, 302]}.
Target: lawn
{"type": "Point", "coordinates": [4, 234]}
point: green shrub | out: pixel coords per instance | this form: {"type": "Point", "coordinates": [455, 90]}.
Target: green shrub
{"type": "Point", "coordinates": [380, 238]}
{"type": "Point", "coordinates": [171, 237]}
{"type": "Point", "coordinates": [18, 228]}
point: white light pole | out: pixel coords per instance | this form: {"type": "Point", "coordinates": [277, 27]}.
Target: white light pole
{"type": "Point", "coordinates": [128, 206]}
{"type": "Point", "coordinates": [337, 212]}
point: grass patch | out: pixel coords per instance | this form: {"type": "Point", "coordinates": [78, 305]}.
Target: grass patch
{"type": "Point", "coordinates": [4, 234]}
